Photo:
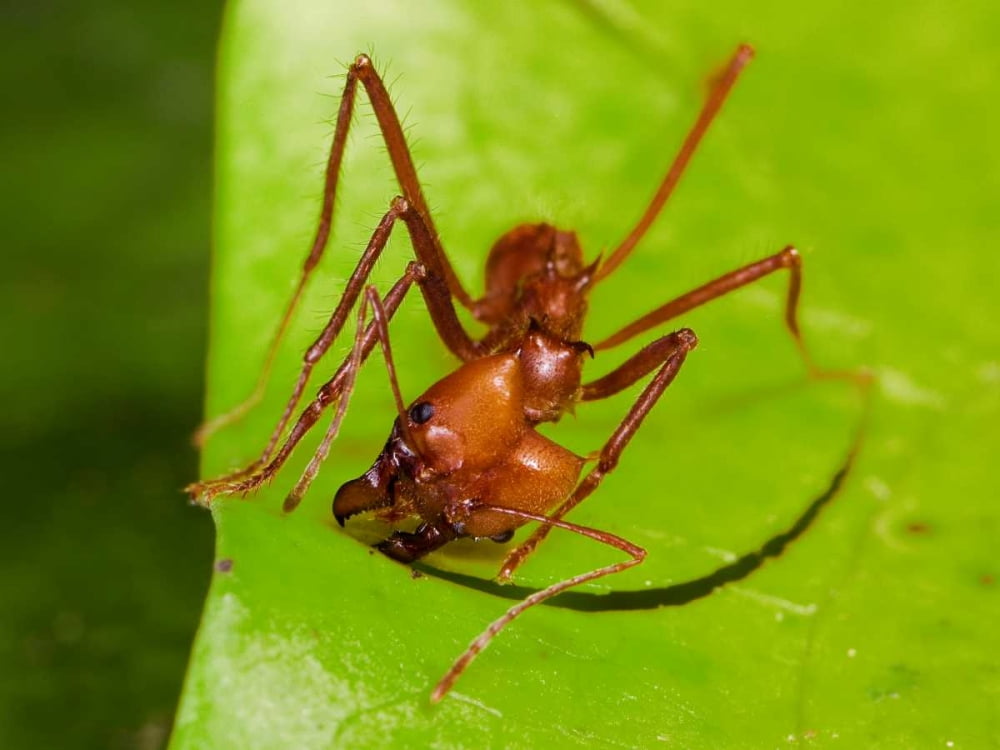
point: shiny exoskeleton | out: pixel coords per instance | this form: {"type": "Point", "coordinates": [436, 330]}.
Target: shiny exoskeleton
{"type": "Point", "coordinates": [465, 457]}
{"type": "Point", "coordinates": [448, 452]}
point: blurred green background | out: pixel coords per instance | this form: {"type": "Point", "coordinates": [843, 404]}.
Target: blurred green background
{"type": "Point", "coordinates": [108, 139]}
{"type": "Point", "coordinates": [107, 148]}
{"type": "Point", "coordinates": [862, 133]}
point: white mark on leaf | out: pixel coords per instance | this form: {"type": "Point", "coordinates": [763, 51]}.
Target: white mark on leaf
{"type": "Point", "coordinates": [723, 554]}
{"type": "Point", "coordinates": [901, 388]}
{"type": "Point", "coordinates": [989, 373]}
{"type": "Point", "coordinates": [473, 702]}
{"type": "Point", "coordinates": [805, 610]}
{"type": "Point", "coordinates": [819, 319]}
{"type": "Point", "coordinates": [878, 488]}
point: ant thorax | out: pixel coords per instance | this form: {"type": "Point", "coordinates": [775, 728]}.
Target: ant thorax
{"type": "Point", "coordinates": [551, 368]}
{"type": "Point", "coordinates": [535, 304]}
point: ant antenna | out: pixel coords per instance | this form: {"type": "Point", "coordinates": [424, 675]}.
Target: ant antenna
{"type": "Point", "coordinates": [379, 317]}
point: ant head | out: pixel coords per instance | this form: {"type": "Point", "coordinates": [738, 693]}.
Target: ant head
{"type": "Point", "coordinates": [376, 488]}
{"type": "Point", "coordinates": [463, 421]}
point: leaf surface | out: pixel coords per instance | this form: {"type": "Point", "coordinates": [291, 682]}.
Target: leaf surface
{"type": "Point", "coordinates": [872, 628]}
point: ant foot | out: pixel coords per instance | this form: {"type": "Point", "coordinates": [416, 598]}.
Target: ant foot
{"type": "Point", "coordinates": [203, 493]}
{"type": "Point", "coordinates": [200, 493]}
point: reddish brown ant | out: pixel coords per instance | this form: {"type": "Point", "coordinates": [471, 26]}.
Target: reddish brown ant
{"type": "Point", "coordinates": [465, 457]}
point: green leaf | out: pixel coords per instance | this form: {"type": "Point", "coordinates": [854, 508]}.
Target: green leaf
{"type": "Point", "coordinates": [873, 628]}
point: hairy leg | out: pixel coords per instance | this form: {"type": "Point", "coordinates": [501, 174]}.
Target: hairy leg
{"type": "Point", "coordinates": [439, 305]}
{"type": "Point", "coordinates": [434, 257]}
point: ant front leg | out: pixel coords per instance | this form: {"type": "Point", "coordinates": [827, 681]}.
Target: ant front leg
{"type": "Point", "coordinates": [669, 354]}
{"type": "Point", "coordinates": [789, 259]}
{"type": "Point", "coordinates": [406, 547]}
{"type": "Point", "coordinates": [330, 393]}
{"type": "Point", "coordinates": [439, 305]}
{"type": "Point", "coordinates": [432, 256]}
{"type": "Point", "coordinates": [380, 328]}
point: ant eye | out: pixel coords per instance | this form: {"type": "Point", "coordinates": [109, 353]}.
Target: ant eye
{"type": "Point", "coordinates": [421, 412]}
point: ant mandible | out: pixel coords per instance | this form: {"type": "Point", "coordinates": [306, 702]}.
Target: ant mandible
{"type": "Point", "coordinates": [465, 457]}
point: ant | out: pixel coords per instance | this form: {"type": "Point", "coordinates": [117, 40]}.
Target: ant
{"type": "Point", "coordinates": [465, 457]}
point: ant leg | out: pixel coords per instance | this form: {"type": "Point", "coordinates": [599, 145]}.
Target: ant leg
{"type": "Point", "coordinates": [379, 323]}
{"type": "Point", "coordinates": [329, 333]}
{"type": "Point", "coordinates": [723, 84]}
{"type": "Point", "coordinates": [788, 258]}
{"type": "Point", "coordinates": [435, 293]}
{"type": "Point", "coordinates": [331, 392]}
{"type": "Point", "coordinates": [402, 162]}
{"type": "Point", "coordinates": [670, 351]}
{"type": "Point", "coordinates": [405, 547]}
{"type": "Point", "coordinates": [636, 555]}
{"type": "Point", "coordinates": [636, 367]}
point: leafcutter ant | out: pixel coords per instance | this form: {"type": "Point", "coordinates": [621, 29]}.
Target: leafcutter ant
{"type": "Point", "coordinates": [465, 457]}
